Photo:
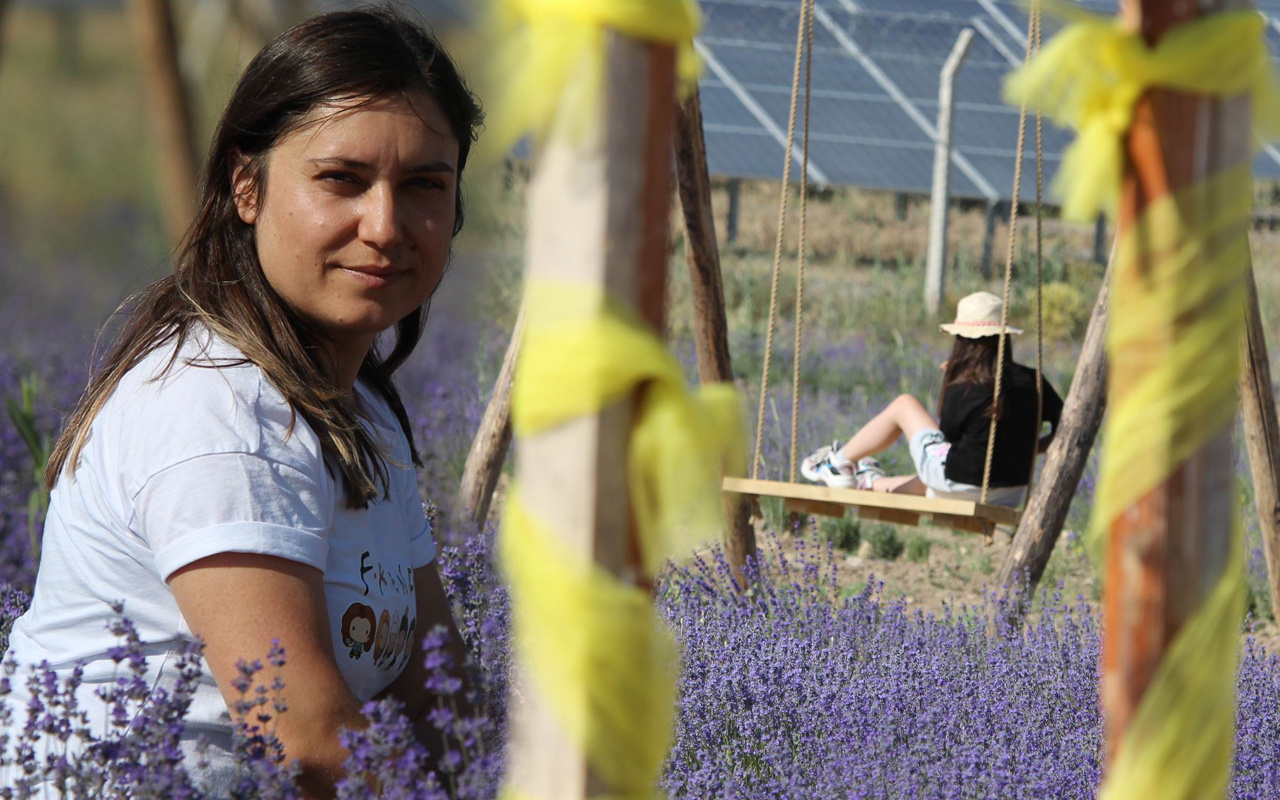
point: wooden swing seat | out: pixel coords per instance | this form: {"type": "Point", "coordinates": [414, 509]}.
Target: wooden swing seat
{"type": "Point", "coordinates": [899, 509]}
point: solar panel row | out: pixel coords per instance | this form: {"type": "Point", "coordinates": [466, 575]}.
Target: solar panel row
{"type": "Point", "coordinates": [874, 98]}
{"type": "Point", "coordinates": [875, 87]}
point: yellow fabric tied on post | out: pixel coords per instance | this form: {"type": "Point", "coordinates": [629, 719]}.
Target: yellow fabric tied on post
{"type": "Point", "coordinates": [1178, 295]}
{"type": "Point", "coordinates": [594, 644]}
{"type": "Point", "coordinates": [548, 68]}
{"type": "Point", "coordinates": [1090, 75]}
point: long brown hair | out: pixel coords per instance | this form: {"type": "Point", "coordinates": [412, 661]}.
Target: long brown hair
{"type": "Point", "coordinates": [974, 361]}
{"type": "Point", "coordinates": [217, 280]}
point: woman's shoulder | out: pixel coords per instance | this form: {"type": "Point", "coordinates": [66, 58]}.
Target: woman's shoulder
{"type": "Point", "coordinates": [202, 397]}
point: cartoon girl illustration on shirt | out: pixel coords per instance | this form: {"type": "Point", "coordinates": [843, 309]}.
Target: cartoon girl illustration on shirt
{"type": "Point", "coordinates": [380, 639]}
{"type": "Point", "coordinates": [357, 629]}
{"type": "Point", "coordinates": [401, 637]}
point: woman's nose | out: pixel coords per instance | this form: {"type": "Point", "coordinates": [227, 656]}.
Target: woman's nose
{"type": "Point", "coordinates": [379, 222]}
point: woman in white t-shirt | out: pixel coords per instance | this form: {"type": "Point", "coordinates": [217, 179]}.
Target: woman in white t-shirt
{"type": "Point", "coordinates": [241, 469]}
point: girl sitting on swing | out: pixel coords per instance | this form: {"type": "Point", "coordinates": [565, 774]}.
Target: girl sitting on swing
{"type": "Point", "coordinates": [950, 452]}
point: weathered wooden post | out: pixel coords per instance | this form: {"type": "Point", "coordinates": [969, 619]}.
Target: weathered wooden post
{"type": "Point", "coordinates": [936, 258]}
{"type": "Point", "coordinates": [1261, 435]}
{"type": "Point", "coordinates": [489, 447]}
{"type": "Point", "coordinates": [1046, 511]}
{"type": "Point", "coordinates": [170, 112]}
{"type": "Point", "coordinates": [598, 215]}
{"type": "Point", "coordinates": [1167, 549]}
{"type": "Point", "coordinates": [710, 328]}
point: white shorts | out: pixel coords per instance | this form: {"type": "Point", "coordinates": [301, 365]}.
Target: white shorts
{"type": "Point", "coordinates": [929, 449]}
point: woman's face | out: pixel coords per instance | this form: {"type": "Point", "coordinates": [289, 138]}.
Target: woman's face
{"type": "Point", "coordinates": [354, 227]}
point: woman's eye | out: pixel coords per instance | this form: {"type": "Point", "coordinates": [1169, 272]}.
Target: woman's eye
{"type": "Point", "coordinates": [338, 177]}
{"type": "Point", "coordinates": [427, 183]}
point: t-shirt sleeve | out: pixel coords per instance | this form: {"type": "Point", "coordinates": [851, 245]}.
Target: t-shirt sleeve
{"type": "Point", "coordinates": [234, 503]}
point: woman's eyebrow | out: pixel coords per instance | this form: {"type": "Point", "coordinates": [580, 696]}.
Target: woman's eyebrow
{"type": "Point", "coordinates": [351, 163]}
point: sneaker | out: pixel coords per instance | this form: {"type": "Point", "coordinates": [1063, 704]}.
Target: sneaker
{"type": "Point", "coordinates": [827, 465]}
{"type": "Point", "coordinates": [866, 472]}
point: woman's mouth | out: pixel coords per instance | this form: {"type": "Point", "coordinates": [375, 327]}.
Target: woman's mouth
{"type": "Point", "coordinates": [374, 277]}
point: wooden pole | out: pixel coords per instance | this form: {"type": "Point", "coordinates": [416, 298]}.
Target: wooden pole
{"type": "Point", "coordinates": [1168, 549]}
{"type": "Point", "coordinates": [489, 447]}
{"type": "Point", "coordinates": [4, 7]}
{"type": "Point", "coordinates": [935, 264]}
{"type": "Point", "coordinates": [170, 112]}
{"type": "Point", "coordinates": [1261, 435]}
{"type": "Point", "coordinates": [710, 328]}
{"type": "Point", "coordinates": [734, 189]}
{"type": "Point", "coordinates": [1046, 511]}
{"type": "Point", "coordinates": [598, 214]}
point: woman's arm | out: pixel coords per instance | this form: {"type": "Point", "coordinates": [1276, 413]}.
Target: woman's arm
{"type": "Point", "coordinates": [410, 686]}
{"type": "Point", "coordinates": [238, 603]}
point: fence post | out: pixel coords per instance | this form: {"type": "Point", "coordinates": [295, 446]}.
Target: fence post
{"type": "Point", "coordinates": [734, 188]}
{"type": "Point", "coordinates": [936, 259]}
{"type": "Point", "coordinates": [989, 238]}
{"type": "Point", "coordinates": [1100, 240]}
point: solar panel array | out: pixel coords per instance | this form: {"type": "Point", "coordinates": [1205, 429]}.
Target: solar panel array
{"type": "Point", "coordinates": [874, 99]}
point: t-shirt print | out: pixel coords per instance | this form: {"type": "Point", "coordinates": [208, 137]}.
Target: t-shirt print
{"type": "Point", "coordinates": [369, 585]}
{"type": "Point", "coordinates": [381, 626]}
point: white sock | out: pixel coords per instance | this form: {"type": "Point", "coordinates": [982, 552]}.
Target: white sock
{"type": "Point", "coordinates": [838, 458]}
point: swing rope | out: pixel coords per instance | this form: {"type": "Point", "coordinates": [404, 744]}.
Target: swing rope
{"type": "Point", "coordinates": [804, 54]}
{"type": "Point", "coordinates": [1033, 44]}
{"type": "Point", "coordinates": [804, 29]}
{"type": "Point", "coordinates": [804, 197]}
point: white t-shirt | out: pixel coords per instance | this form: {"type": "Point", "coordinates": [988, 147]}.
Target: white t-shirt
{"type": "Point", "coordinates": [198, 463]}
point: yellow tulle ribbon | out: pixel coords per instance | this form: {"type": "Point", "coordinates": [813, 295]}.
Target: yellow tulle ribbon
{"type": "Point", "coordinates": [593, 643]}
{"type": "Point", "coordinates": [548, 66]}
{"type": "Point", "coordinates": [1177, 317]}
{"type": "Point", "coordinates": [1173, 336]}
{"type": "Point", "coordinates": [1091, 74]}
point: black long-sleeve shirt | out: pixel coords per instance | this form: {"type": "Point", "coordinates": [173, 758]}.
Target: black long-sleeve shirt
{"type": "Point", "coordinates": [965, 423]}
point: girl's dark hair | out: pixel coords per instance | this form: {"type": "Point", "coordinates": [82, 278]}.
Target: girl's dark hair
{"type": "Point", "coordinates": [217, 281]}
{"type": "Point", "coordinates": [974, 361]}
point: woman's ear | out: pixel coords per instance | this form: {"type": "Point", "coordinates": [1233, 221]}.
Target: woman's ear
{"type": "Point", "coordinates": [244, 190]}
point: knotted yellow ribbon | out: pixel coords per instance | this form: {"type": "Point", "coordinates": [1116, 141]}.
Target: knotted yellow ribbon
{"type": "Point", "coordinates": [549, 63]}
{"type": "Point", "coordinates": [1093, 72]}
{"type": "Point", "coordinates": [593, 643]}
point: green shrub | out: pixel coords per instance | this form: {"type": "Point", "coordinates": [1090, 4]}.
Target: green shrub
{"type": "Point", "coordinates": [885, 542]}
{"type": "Point", "coordinates": [1258, 601]}
{"type": "Point", "coordinates": [1065, 311]}
{"type": "Point", "coordinates": [918, 548]}
{"type": "Point", "coordinates": [844, 532]}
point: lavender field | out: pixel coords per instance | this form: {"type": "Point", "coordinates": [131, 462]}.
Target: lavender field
{"type": "Point", "coordinates": [829, 678]}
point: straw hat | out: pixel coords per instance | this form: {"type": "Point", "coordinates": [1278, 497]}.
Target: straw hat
{"type": "Point", "coordinates": [978, 315]}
